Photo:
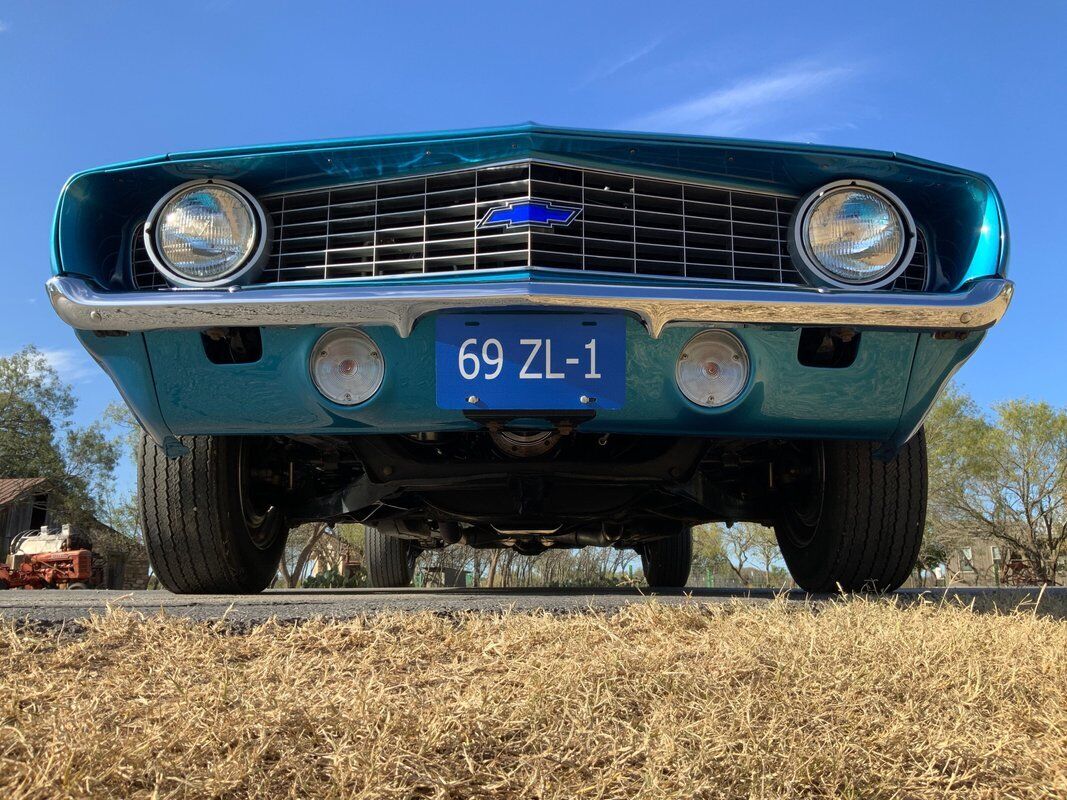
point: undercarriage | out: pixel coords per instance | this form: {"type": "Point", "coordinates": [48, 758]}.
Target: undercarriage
{"type": "Point", "coordinates": [846, 515]}
{"type": "Point", "coordinates": [531, 489]}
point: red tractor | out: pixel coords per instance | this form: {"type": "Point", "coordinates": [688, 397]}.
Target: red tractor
{"type": "Point", "coordinates": [44, 560]}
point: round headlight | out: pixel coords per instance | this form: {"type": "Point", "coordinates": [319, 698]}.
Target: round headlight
{"type": "Point", "coordinates": [851, 233]}
{"type": "Point", "coordinates": [346, 366]}
{"type": "Point", "coordinates": [712, 368]}
{"type": "Point", "coordinates": [206, 234]}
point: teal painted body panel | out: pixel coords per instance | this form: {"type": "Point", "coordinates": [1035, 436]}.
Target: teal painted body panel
{"type": "Point", "coordinates": [275, 394]}
{"type": "Point", "coordinates": [174, 389]}
{"type": "Point", "coordinates": [125, 360]}
{"type": "Point", "coordinates": [959, 210]}
{"type": "Point", "coordinates": [936, 361]}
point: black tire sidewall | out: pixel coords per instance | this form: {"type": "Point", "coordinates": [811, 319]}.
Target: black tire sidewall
{"type": "Point", "coordinates": [389, 558]}
{"type": "Point", "coordinates": [260, 564]}
{"type": "Point", "coordinates": [870, 527]}
{"type": "Point", "coordinates": [194, 528]}
{"type": "Point", "coordinates": [810, 564]}
{"type": "Point", "coordinates": [667, 562]}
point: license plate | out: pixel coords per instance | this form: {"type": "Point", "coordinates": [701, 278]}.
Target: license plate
{"type": "Point", "coordinates": [531, 362]}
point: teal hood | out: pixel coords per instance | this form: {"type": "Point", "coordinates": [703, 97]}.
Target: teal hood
{"type": "Point", "coordinates": [959, 210]}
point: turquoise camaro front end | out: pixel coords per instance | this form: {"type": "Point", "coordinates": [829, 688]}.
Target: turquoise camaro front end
{"type": "Point", "coordinates": [531, 337]}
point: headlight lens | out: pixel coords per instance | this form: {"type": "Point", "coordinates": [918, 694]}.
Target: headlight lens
{"type": "Point", "coordinates": [712, 368]}
{"type": "Point", "coordinates": [855, 235]}
{"type": "Point", "coordinates": [347, 366]}
{"type": "Point", "coordinates": [205, 232]}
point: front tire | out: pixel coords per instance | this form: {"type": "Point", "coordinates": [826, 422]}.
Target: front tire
{"type": "Point", "coordinates": [209, 529]}
{"type": "Point", "coordinates": [667, 562]}
{"type": "Point", "coordinates": [390, 559]}
{"type": "Point", "coordinates": [856, 522]}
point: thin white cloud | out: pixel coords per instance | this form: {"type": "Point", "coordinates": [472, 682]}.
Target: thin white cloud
{"type": "Point", "coordinates": [607, 69]}
{"type": "Point", "coordinates": [748, 104]}
{"type": "Point", "coordinates": [4, 27]}
{"type": "Point", "coordinates": [814, 134]}
{"type": "Point", "coordinates": [72, 365]}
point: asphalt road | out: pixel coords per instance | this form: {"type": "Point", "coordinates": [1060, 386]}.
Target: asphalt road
{"type": "Point", "coordinates": [50, 608]}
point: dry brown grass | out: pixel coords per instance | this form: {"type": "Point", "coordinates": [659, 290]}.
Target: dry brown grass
{"type": "Point", "coordinates": [860, 699]}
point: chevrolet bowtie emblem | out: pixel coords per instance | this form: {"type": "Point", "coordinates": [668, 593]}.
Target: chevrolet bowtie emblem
{"type": "Point", "coordinates": [542, 213]}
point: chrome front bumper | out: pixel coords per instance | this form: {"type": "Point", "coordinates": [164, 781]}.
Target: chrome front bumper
{"type": "Point", "coordinates": [977, 307]}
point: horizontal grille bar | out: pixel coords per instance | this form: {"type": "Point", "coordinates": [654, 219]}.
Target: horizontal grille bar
{"type": "Point", "coordinates": [627, 225]}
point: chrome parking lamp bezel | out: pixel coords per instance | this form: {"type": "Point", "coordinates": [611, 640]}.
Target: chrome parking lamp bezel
{"type": "Point", "coordinates": [808, 262]}
{"type": "Point", "coordinates": [705, 400]}
{"type": "Point", "coordinates": [244, 270]}
{"type": "Point", "coordinates": [375, 352]}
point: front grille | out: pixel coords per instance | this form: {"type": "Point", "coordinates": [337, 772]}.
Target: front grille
{"type": "Point", "coordinates": [145, 274]}
{"type": "Point", "coordinates": [916, 274]}
{"type": "Point", "coordinates": [628, 224]}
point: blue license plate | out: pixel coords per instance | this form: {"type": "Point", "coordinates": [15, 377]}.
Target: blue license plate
{"type": "Point", "coordinates": [531, 362]}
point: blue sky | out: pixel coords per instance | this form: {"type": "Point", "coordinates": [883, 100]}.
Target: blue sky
{"type": "Point", "coordinates": [981, 85]}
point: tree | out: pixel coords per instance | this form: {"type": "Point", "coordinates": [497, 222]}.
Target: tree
{"type": "Point", "coordinates": [458, 557]}
{"type": "Point", "coordinates": [339, 560]}
{"type": "Point", "coordinates": [117, 509]}
{"type": "Point", "coordinates": [590, 566]}
{"type": "Point", "coordinates": [305, 543]}
{"type": "Point", "coordinates": [709, 554]}
{"type": "Point", "coordinates": [38, 437]}
{"type": "Point", "coordinates": [740, 541]}
{"type": "Point", "coordinates": [932, 554]}
{"type": "Point", "coordinates": [765, 544]}
{"type": "Point", "coordinates": [1003, 478]}
{"type": "Point", "coordinates": [744, 542]}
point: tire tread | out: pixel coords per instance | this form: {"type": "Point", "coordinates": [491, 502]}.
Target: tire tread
{"type": "Point", "coordinates": [667, 562]}
{"type": "Point", "coordinates": [873, 520]}
{"type": "Point", "coordinates": [187, 521]}
{"type": "Point", "coordinates": [388, 565]}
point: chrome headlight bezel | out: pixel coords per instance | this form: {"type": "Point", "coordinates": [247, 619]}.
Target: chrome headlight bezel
{"type": "Point", "coordinates": [244, 270]}
{"type": "Point", "coordinates": [810, 265]}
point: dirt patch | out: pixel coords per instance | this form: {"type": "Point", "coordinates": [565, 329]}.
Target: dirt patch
{"type": "Point", "coordinates": [854, 699]}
